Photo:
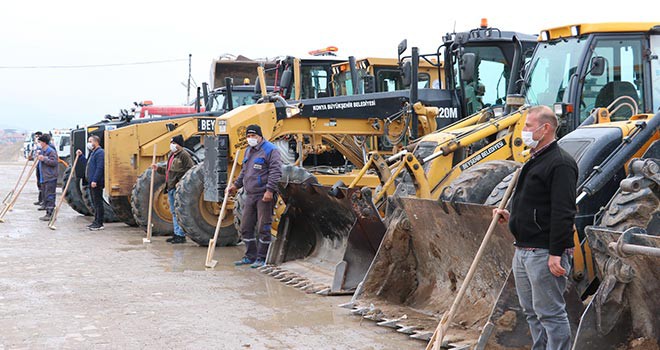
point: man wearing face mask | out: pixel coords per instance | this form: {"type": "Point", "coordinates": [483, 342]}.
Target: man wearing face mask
{"type": "Point", "coordinates": [94, 173]}
{"type": "Point", "coordinates": [178, 163]}
{"type": "Point", "coordinates": [541, 220]}
{"type": "Point", "coordinates": [260, 173]}
{"type": "Point", "coordinates": [48, 160]}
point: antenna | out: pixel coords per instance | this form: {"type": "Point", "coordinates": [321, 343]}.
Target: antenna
{"type": "Point", "coordinates": [189, 74]}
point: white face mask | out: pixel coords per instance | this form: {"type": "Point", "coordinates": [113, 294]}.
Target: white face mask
{"type": "Point", "coordinates": [528, 138]}
{"type": "Point", "coordinates": [252, 141]}
{"type": "Point", "coordinates": [90, 146]}
{"type": "Point", "coordinates": [173, 147]}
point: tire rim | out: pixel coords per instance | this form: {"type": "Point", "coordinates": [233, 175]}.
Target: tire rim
{"type": "Point", "coordinates": [210, 212]}
{"type": "Point", "coordinates": [162, 204]}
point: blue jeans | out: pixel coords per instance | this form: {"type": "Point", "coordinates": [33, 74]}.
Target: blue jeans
{"type": "Point", "coordinates": [541, 295]}
{"type": "Point", "coordinates": [177, 229]}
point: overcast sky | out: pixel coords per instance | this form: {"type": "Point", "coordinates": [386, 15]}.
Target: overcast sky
{"type": "Point", "coordinates": [64, 33]}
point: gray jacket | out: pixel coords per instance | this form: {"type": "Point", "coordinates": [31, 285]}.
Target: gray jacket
{"type": "Point", "coordinates": [261, 170]}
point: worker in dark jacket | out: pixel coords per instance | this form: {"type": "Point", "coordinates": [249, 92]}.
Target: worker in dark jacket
{"type": "Point", "coordinates": [260, 173]}
{"type": "Point", "coordinates": [34, 155]}
{"type": "Point", "coordinates": [178, 163]}
{"type": "Point", "coordinates": [94, 173]}
{"type": "Point", "coordinates": [541, 220]}
{"type": "Point", "coordinates": [47, 174]}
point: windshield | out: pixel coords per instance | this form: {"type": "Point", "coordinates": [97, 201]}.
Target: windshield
{"type": "Point", "coordinates": [343, 84]}
{"type": "Point", "coordinates": [551, 69]}
{"type": "Point", "coordinates": [491, 77]}
{"type": "Point", "coordinates": [240, 98]}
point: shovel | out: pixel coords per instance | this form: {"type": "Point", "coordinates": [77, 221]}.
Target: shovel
{"type": "Point", "coordinates": [14, 198]}
{"type": "Point", "coordinates": [209, 254]}
{"type": "Point", "coordinates": [151, 199]}
{"type": "Point", "coordinates": [10, 195]}
{"type": "Point", "coordinates": [53, 218]}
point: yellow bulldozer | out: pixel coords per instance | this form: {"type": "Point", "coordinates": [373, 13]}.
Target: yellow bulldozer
{"type": "Point", "coordinates": [596, 77]}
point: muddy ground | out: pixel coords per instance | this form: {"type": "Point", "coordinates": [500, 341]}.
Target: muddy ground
{"type": "Point", "coordinates": [72, 288]}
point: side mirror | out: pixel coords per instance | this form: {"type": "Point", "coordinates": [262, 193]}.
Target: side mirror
{"type": "Point", "coordinates": [257, 90]}
{"type": "Point", "coordinates": [61, 147]}
{"type": "Point", "coordinates": [406, 73]}
{"type": "Point", "coordinates": [468, 66]}
{"type": "Point", "coordinates": [369, 84]}
{"type": "Point", "coordinates": [287, 79]}
{"type": "Point", "coordinates": [597, 66]}
{"type": "Point", "coordinates": [403, 46]}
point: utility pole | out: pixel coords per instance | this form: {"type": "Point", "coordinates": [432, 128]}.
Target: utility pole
{"type": "Point", "coordinates": [189, 74]}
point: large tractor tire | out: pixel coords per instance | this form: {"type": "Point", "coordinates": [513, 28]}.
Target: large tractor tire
{"type": "Point", "coordinates": [161, 217]}
{"type": "Point", "coordinates": [631, 209]}
{"type": "Point", "coordinates": [198, 217]}
{"type": "Point", "coordinates": [73, 195]}
{"type": "Point", "coordinates": [476, 183]}
{"type": "Point", "coordinates": [108, 212]}
{"type": "Point", "coordinates": [123, 210]}
{"type": "Point", "coordinates": [62, 165]}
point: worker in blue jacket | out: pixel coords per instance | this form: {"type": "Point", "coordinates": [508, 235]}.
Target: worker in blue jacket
{"type": "Point", "coordinates": [94, 173]}
{"type": "Point", "coordinates": [48, 160]}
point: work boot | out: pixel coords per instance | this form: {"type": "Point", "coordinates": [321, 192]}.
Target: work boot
{"type": "Point", "coordinates": [46, 217]}
{"type": "Point", "coordinates": [96, 227]}
{"type": "Point", "coordinates": [38, 203]}
{"type": "Point", "coordinates": [178, 239]}
{"type": "Point", "coordinates": [169, 240]}
{"type": "Point", "coordinates": [41, 208]}
{"type": "Point", "coordinates": [258, 263]}
{"type": "Point", "coordinates": [244, 261]}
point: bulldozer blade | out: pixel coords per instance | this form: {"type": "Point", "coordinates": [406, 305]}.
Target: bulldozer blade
{"type": "Point", "coordinates": [330, 240]}
{"type": "Point", "coordinates": [623, 312]}
{"type": "Point", "coordinates": [423, 259]}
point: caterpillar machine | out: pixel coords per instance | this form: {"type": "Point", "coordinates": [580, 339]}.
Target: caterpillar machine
{"type": "Point", "coordinates": [129, 151]}
{"type": "Point", "coordinates": [330, 234]}
{"type": "Point", "coordinates": [599, 79]}
{"type": "Point", "coordinates": [323, 143]}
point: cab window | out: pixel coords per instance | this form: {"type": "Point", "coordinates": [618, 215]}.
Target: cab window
{"type": "Point", "coordinates": [623, 76]}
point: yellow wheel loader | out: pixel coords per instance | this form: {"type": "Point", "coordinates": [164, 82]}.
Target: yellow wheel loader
{"type": "Point", "coordinates": [424, 256]}
{"type": "Point", "coordinates": [333, 247]}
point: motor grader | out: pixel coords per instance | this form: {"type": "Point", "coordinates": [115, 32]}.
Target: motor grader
{"type": "Point", "coordinates": [591, 74]}
{"type": "Point", "coordinates": [336, 254]}
{"type": "Point", "coordinates": [321, 132]}
{"type": "Point", "coordinates": [129, 151]}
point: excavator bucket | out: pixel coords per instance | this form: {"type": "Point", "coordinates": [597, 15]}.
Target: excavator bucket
{"type": "Point", "coordinates": [623, 314]}
{"type": "Point", "coordinates": [423, 259]}
{"type": "Point", "coordinates": [325, 242]}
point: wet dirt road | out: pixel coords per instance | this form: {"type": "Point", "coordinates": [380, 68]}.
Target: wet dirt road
{"type": "Point", "coordinates": [72, 288]}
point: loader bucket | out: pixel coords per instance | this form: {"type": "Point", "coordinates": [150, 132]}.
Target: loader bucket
{"type": "Point", "coordinates": [623, 313]}
{"type": "Point", "coordinates": [421, 263]}
{"type": "Point", "coordinates": [325, 243]}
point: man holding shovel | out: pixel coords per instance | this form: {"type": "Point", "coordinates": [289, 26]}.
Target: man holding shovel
{"type": "Point", "coordinates": [94, 172]}
{"type": "Point", "coordinates": [47, 174]}
{"type": "Point", "coordinates": [260, 173]}
{"type": "Point", "coordinates": [541, 220]}
{"type": "Point", "coordinates": [178, 163]}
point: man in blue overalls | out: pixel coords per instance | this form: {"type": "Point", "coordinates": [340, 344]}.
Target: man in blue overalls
{"type": "Point", "coordinates": [260, 173]}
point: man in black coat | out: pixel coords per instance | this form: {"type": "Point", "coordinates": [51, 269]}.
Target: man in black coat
{"type": "Point", "coordinates": [94, 173]}
{"type": "Point", "coordinates": [541, 220]}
